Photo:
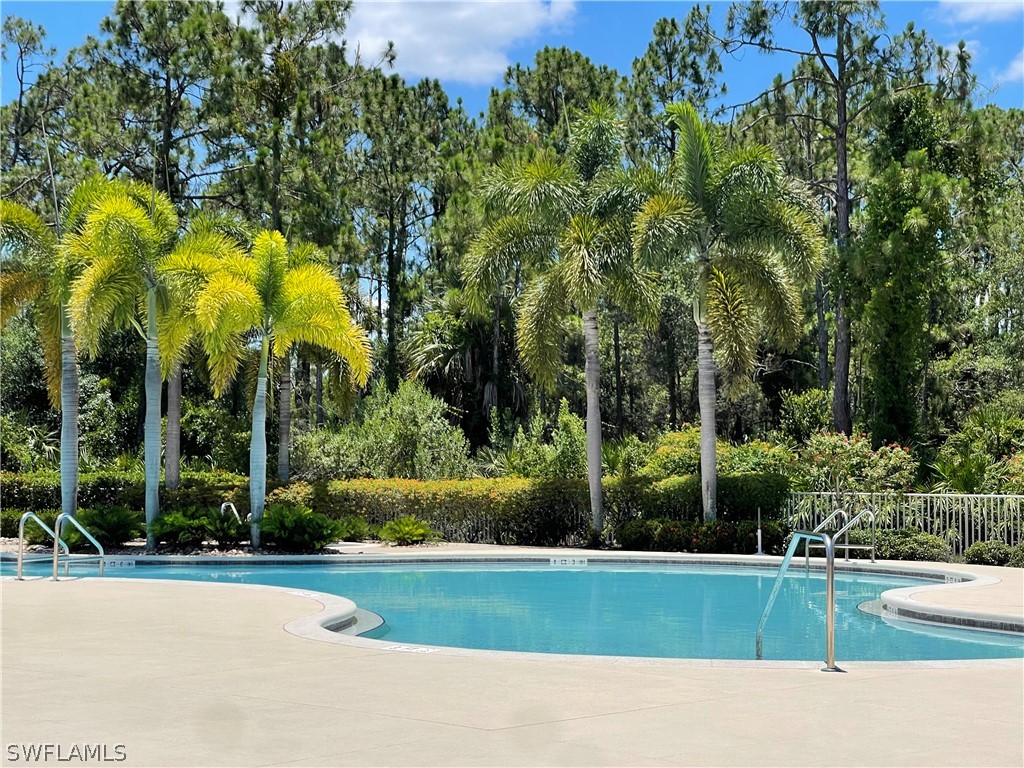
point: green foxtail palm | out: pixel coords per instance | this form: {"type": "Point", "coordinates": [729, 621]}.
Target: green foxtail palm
{"type": "Point", "coordinates": [273, 297]}
{"type": "Point", "coordinates": [748, 230]}
{"type": "Point", "coordinates": [38, 268]}
{"type": "Point", "coordinates": [554, 222]}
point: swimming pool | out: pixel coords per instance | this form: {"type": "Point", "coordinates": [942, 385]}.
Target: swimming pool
{"type": "Point", "coordinates": [668, 611]}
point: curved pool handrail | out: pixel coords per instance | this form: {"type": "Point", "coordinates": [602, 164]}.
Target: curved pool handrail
{"type": "Point", "coordinates": [830, 595]}
{"type": "Point", "coordinates": [21, 540]}
{"type": "Point", "coordinates": [58, 523]}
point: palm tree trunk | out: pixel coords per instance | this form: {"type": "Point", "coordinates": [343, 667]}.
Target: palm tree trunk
{"type": "Point", "coordinates": [284, 426]}
{"type": "Point", "coordinates": [172, 447]}
{"type": "Point", "coordinates": [68, 419]}
{"type": "Point", "coordinates": [258, 450]}
{"type": "Point", "coordinates": [708, 433]}
{"type": "Point", "coordinates": [619, 421]}
{"type": "Point", "coordinates": [152, 434]}
{"type": "Point", "coordinates": [593, 385]}
{"type": "Point", "coordinates": [320, 413]}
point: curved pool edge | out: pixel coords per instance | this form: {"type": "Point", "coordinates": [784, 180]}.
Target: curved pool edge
{"type": "Point", "coordinates": [338, 620]}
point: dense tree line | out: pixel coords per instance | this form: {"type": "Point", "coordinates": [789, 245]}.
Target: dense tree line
{"type": "Point", "coordinates": [896, 297]}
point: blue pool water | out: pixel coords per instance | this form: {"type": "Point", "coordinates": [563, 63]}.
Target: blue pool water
{"type": "Point", "coordinates": [630, 610]}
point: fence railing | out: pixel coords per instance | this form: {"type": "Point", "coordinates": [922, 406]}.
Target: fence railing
{"type": "Point", "coordinates": [958, 518]}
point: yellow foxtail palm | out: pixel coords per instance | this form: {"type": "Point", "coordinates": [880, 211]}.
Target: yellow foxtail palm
{"type": "Point", "coordinates": [273, 297]}
{"type": "Point", "coordinates": [37, 268]}
{"type": "Point", "coordinates": [554, 221]}
{"type": "Point", "coordinates": [127, 233]}
{"type": "Point", "coordinates": [748, 230]}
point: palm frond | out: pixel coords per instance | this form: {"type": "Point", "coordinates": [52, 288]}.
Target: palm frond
{"type": "Point", "coordinates": [514, 239]}
{"type": "Point", "coordinates": [695, 153]}
{"type": "Point", "coordinates": [314, 312]}
{"type": "Point", "coordinates": [540, 326]}
{"type": "Point", "coordinates": [666, 225]}
{"type": "Point", "coordinates": [733, 324]}
{"type": "Point", "coordinates": [82, 200]}
{"type": "Point", "coordinates": [118, 227]}
{"type": "Point", "coordinates": [580, 246]}
{"type": "Point", "coordinates": [49, 324]}
{"type": "Point", "coordinates": [751, 222]}
{"type": "Point", "coordinates": [596, 141]}
{"type": "Point", "coordinates": [106, 293]}
{"type": "Point", "coordinates": [771, 290]}
{"type": "Point", "coordinates": [226, 309]}
{"type": "Point", "coordinates": [18, 287]}
{"type": "Point", "coordinates": [270, 258]}
{"type": "Point", "coordinates": [158, 206]}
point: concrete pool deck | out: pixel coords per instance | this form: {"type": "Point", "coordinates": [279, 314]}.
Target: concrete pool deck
{"type": "Point", "coordinates": [187, 676]}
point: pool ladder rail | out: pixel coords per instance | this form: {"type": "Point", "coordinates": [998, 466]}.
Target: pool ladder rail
{"type": "Point", "coordinates": [58, 544]}
{"type": "Point", "coordinates": [828, 542]}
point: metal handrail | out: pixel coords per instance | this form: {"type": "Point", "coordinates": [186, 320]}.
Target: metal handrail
{"type": "Point", "coordinates": [838, 512]}
{"type": "Point", "coordinates": [21, 540]}
{"type": "Point", "coordinates": [830, 594]}
{"type": "Point", "coordinates": [845, 533]}
{"type": "Point", "coordinates": [58, 523]}
{"type": "Point", "coordinates": [228, 505]}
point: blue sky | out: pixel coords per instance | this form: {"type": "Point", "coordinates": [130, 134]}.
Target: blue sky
{"type": "Point", "coordinates": [468, 45]}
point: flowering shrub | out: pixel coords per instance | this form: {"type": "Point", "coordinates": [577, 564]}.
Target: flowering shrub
{"type": "Point", "coordinates": [829, 461]}
{"type": "Point", "coordinates": [678, 453]}
{"type": "Point", "coordinates": [757, 457]}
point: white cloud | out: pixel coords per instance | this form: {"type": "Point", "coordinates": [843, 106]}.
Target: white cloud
{"type": "Point", "coordinates": [983, 11]}
{"type": "Point", "coordinates": [465, 41]}
{"type": "Point", "coordinates": [1014, 72]}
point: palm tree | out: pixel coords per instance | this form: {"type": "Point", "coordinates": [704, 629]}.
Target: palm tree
{"type": "Point", "coordinates": [748, 230]}
{"type": "Point", "coordinates": [184, 272]}
{"type": "Point", "coordinates": [128, 232]}
{"type": "Point", "coordinates": [562, 226]}
{"type": "Point", "coordinates": [273, 297]}
{"type": "Point", "coordinates": [38, 268]}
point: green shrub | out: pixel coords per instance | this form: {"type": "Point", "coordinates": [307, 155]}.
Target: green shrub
{"type": "Point", "coordinates": [41, 490]}
{"type": "Point", "coordinates": [909, 544]}
{"type": "Point", "coordinates": [297, 528]}
{"type": "Point", "coordinates": [225, 529]}
{"type": "Point", "coordinates": [678, 453]}
{"type": "Point", "coordinates": [639, 535]}
{"type": "Point", "coordinates": [184, 527]}
{"type": "Point", "coordinates": [672, 535]}
{"type": "Point", "coordinates": [405, 531]}
{"type": "Point", "coordinates": [1016, 559]}
{"type": "Point", "coordinates": [988, 553]}
{"type": "Point", "coordinates": [404, 435]}
{"type": "Point", "coordinates": [830, 461]}
{"type": "Point", "coordinates": [110, 526]}
{"type": "Point", "coordinates": [805, 413]}
{"type": "Point", "coordinates": [352, 528]}
{"type": "Point", "coordinates": [757, 457]}
{"type": "Point", "coordinates": [717, 536]}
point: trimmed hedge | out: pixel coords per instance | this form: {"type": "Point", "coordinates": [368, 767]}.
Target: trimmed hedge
{"type": "Point", "coordinates": [717, 536]}
{"type": "Point", "coordinates": [501, 510]}
{"type": "Point", "coordinates": [41, 490]}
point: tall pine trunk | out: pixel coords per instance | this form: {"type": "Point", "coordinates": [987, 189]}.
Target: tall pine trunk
{"type": "Point", "coordinates": [258, 450]}
{"type": "Point", "coordinates": [841, 420]}
{"type": "Point", "coordinates": [151, 440]}
{"type": "Point", "coordinates": [821, 310]}
{"type": "Point", "coordinates": [172, 446]}
{"type": "Point", "coordinates": [593, 386]}
{"type": "Point", "coordinates": [68, 419]}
